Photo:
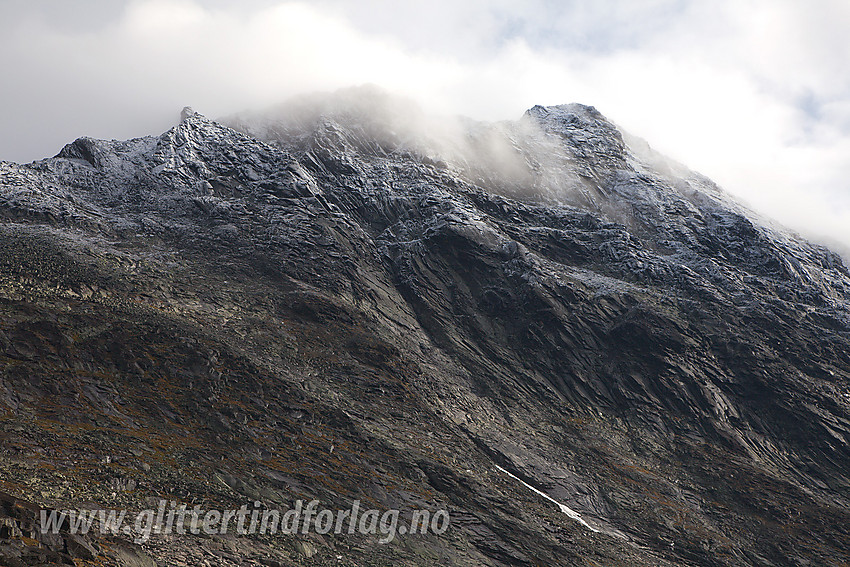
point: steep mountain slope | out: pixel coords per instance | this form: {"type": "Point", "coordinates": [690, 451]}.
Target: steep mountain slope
{"type": "Point", "coordinates": [343, 300]}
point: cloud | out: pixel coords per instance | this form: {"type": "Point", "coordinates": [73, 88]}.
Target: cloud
{"type": "Point", "coordinates": [753, 93]}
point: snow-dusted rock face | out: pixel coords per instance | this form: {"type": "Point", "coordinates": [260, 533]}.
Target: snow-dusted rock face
{"type": "Point", "coordinates": [346, 299]}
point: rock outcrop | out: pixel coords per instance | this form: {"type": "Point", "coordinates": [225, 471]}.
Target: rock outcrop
{"type": "Point", "coordinates": [587, 354]}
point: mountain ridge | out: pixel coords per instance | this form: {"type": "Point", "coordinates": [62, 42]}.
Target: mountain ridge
{"type": "Point", "coordinates": [439, 303]}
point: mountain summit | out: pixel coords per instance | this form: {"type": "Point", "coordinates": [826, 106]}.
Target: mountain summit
{"type": "Point", "coordinates": [584, 352]}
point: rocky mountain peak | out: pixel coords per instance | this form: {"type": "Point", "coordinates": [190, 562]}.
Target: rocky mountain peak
{"type": "Point", "coordinates": [86, 149]}
{"type": "Point", "coordinates": [187, 112]}
{"type": "Point", "coordinates": [581, 352]}
{"type": "Point", "coordinates": [564, 112]}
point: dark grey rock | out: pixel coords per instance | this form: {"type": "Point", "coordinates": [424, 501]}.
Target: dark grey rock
{"type": "Point", "coordinates": [540, 306]}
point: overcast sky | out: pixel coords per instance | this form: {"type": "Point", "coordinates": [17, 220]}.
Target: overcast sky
{"type": "Point", "coordinates": [753, 93]}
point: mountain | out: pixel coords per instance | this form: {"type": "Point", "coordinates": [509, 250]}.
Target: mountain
{"type": "Point", "coordinates": [586, 353]}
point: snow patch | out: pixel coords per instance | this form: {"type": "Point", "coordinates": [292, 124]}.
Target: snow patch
{"type": "Point", "coordinates": [563, 507]}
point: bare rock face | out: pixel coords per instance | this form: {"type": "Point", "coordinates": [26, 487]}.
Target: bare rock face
{"type": "Point", "coordinates": [586, 353]}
